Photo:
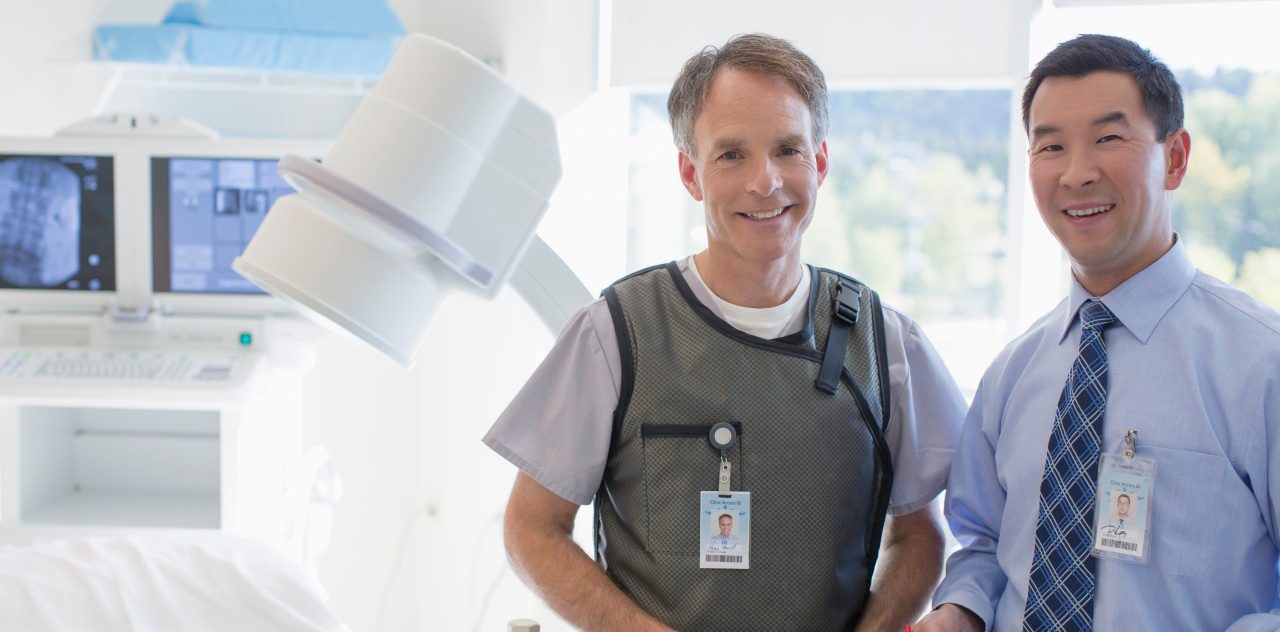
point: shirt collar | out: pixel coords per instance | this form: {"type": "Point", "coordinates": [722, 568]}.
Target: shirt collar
{"type": "Point", "coordinates": [1144, 298]}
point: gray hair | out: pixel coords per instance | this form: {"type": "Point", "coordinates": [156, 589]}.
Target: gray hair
{"type": "Point", "coordinates": [757, 53]}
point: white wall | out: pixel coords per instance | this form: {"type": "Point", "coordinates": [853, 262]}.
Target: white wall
{"type": "Point", "coordinates": [864, 41]}
{"type": "Point", "coordinates": [39, 94]}
{"type": "Point", "coordinates": [545, 47]}
{"type": "Point", "coordinates": [38, 32]}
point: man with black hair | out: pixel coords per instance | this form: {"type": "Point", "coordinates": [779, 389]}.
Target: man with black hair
{"type": "Point", "coordinates": [1168, 373]}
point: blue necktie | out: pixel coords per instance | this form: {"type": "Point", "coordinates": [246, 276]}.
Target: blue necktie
{"type": "Point", "coordinates": [1060, 596]}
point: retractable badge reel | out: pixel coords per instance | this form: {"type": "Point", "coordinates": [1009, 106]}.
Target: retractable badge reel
{"type": "Point", "coordinates": [723, 436]}
{"type": "Point", "coordinates": [1122, 513]}
{"type": "Point", "coordinates": [725, 515]}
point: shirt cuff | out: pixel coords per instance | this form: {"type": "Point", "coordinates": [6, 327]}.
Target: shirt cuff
{"type": "Point", "coordinates": [903, 509]}
{"type": "Point", "coordinates": [974, 602]}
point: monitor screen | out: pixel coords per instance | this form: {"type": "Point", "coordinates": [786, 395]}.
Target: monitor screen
{"type": "Point", "coordinates": [57, 222]}
{"type": "Point", "coordinates": [204, 211]}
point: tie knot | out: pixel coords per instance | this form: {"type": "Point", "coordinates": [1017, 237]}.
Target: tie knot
{"type": "Point", "coordinates": [1095, 315]}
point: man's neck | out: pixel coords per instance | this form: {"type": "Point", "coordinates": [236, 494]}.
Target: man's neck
{"type": "Point", "coordinates": [749, 284]}
{"type": "Point", "coordinates": [1101, 282]}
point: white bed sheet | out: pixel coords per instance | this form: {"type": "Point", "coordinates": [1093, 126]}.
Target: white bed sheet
{"type": "Point", "coordinates": [197, 582]}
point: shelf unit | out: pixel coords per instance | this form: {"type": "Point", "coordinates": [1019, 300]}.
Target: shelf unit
{"type": "Point", "coordinates": [132, 458]}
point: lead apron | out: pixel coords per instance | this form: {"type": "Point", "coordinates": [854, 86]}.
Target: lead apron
{"type": "Point", "coordinates": [816, 463]}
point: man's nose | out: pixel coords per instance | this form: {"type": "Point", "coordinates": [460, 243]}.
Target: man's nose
{"type": "Point", "coordinates": [765, 178]}
{"type": "Point", "coordinates": [1081, 170]}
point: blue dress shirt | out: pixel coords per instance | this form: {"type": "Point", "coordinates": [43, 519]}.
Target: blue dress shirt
{"type": "Point", "coordinates": [1195, 369]}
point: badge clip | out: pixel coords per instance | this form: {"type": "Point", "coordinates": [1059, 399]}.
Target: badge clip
{"type": "Point", "coordinates": [1130, 443]}
{"type": "Point", "coordinates": [722, 437]}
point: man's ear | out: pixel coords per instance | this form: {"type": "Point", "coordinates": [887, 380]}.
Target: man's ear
{"type": "Point", "coordinates": [689, 176]}
{"type": "Point", "coordinates": [820, 160]}
{"type": "Point", "coordinates": [1177, 151]}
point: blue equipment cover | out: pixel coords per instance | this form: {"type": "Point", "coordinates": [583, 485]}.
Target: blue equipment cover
{"type": "Point", "coordinates": [349, 17]}
{"type": "Point", "coordinates": [315, 53]}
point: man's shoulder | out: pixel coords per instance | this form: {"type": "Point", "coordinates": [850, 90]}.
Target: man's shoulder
{"type": "Point", "coordinates": [1020, 351]}
{"type": "Point", "coordinates": [592, 321]}
{"type": "Point", "coordinates": [894, 318]}
{"type": "Point", "coordinates": [844, 275]}
{"type": "Point", "coordinates": [594, 310]}
{"type": "Point", "coordinates": [1048, 324]}
{"type": "Point", "coordinates": [639, 273]}
{"type": "Point", "coordinates": [1239, 308]}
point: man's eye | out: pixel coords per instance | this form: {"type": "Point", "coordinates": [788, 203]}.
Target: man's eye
{"type": "Point", "coordinates": [789, 151]}
{"type": "Point", "coordinates": [1108, 138]}
{"type": "Point", "coordinates": [1049, 149]}
{"type": "Point", "coordinates": [732, 154]}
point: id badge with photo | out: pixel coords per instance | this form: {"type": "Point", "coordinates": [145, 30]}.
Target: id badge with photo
{"type": "Point", "coordinates": [725, 530]}
{"type": "Point", "coordinates": [1122, 515]}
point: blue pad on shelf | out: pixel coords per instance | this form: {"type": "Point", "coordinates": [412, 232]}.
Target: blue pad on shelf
{"type": "Point", "coordinates": [349, 17]}
{"type": "Point", "coordinates": [292, 51]}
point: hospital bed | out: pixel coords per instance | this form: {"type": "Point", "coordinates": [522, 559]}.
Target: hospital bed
{"type": "Point", "coordinates": [162, 583]}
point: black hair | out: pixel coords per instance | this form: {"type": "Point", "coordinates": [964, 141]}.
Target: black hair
{"type": "Point", "coordinates": [1086, 54]}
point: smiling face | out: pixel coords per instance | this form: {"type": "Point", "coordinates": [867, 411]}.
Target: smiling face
{"type": "Point", "coordinates": [1100, 176]}
{"type": "Point", "coordinates": [756, 168]}
{"type": "Point", "coordinates": [726, 525]}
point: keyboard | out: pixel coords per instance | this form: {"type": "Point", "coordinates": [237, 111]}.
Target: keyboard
{"type": "Point", "coordinates": [114, 366]}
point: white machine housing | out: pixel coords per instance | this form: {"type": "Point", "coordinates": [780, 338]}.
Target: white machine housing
{"type": "Point", "coordinates": [437, 182]}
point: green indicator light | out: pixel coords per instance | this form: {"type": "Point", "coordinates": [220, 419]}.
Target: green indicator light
{"type": "Point", "coordinates": [246, 338]}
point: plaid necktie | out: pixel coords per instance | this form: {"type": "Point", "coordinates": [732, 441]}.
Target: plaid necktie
{"type": "Point", "coordinates": [1061, 593]}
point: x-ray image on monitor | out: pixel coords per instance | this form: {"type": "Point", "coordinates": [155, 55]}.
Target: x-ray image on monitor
{"type": "Point", "coordinates": [226, 201]}
{"type": "Point", "coordinates": [204, 211]}
{"type": "Point", "coordinates": [57, 222]}
{"type": "Point", "coordinates": [255, 200]}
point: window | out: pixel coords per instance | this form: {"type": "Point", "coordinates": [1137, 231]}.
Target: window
{"type": "Point", "coordinates": [1228, 208]}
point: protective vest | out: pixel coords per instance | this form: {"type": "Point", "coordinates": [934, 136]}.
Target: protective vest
{"type": "Point", "coordinates": [811, 451]}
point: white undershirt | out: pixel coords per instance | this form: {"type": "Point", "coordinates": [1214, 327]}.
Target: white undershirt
{"type": "Point", "coordinates": [762, 322]}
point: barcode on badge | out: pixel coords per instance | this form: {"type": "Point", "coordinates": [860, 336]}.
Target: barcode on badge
{"type": "Point", "coordinates": [735, 559]}
{"type": "Point", "coordinates": [1120, 544]}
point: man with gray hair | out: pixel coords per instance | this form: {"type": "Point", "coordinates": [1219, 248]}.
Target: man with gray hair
{"type": "Point", "coordinates": [736, 382]}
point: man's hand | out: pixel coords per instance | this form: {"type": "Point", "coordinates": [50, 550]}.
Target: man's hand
{"type": "Point", "coordinates": [909, 569]}
{"type": "Point", "coordinates": [949, 618]}
{"type": "Point", "coordinates": [538, 531]}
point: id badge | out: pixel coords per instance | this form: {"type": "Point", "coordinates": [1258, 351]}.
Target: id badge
{"type": "Point", "coordinates": [1122, 515]}
{"type": "Point", "coordinates": [725, 530]}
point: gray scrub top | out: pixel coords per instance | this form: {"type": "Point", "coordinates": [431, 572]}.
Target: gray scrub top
{"type": "Point", "coordinates": [558, 427]}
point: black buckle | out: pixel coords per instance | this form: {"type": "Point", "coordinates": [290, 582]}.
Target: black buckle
{"type": "Point", "coordinates": [847, 303]}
